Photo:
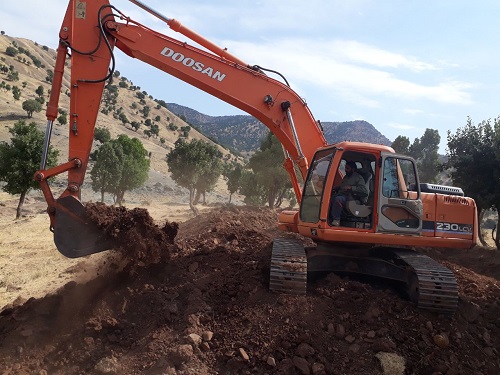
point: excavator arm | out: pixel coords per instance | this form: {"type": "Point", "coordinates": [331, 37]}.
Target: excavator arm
{"type": "Point", "coordinates": [89, 33]}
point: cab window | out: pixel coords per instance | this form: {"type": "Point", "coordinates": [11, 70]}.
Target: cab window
{"type": "Point", "coordinates": [315, 185]}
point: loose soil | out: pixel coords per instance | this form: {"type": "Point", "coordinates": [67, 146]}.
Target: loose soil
{"type": "Point", "coordinates": [200, 304]}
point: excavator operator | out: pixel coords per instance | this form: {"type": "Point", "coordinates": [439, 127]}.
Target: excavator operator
{"type": "Point", "coordinates": [353, 186]}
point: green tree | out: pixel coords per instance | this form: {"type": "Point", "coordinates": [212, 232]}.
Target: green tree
{"type": "Point", "coordinates": [39, 90]}
{"type": "Point", "coordinates": [13, 76]}
{"type": "Point", "coordinates": [11, 51]}
{"type": "Point", "coordinates": [232, 175]}
{"type": "Point", "coordinates": [474, 162]}
{"type": "Point", "coordinates": [21, 158]}
{"type": "Point", "coordinates": [16, 92]}
{"type": "Point", "coordinates": [424, 150]}
{"type": "Point", "coordinates": [31, 106]}
{"type": "Point", "coordinates": [102, 135]}
{"type": "Point", "coordinates": [62, 119]}
{"type": "Point", "coordinates": [133, 164]}
{"type": "Point", "coordinates": [270, 176]}
{"type": "Point", "coordinates": [50, 75]}
{"type": "Point", "coordinates": [401, 145]}
{"type": "Point", "coordinates": [136, 125]}
{"type": "Point", "coordinates": [107, 169]}
{"type": "Point", "coordinates": [252, 189]}
{"type": "Point", "coordinates": [196, 166]}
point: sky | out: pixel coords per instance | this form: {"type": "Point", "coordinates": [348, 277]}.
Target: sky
{"type": "Point", "coordinates": [403, 66]}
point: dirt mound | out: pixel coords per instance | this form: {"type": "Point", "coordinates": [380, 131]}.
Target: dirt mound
{"type": "Point", "coordinates": [134, 232]}
{"type": "Point", "coordinates": [208, 310]}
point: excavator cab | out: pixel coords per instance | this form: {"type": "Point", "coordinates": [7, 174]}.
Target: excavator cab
{"type": "Point", "coordinates": [392, 203]}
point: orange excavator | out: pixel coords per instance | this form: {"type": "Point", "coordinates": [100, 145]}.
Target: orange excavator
{"type": "Point", "coordinates": [376, 231]}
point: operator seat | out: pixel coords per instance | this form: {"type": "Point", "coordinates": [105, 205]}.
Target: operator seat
{"type": "Point", "coordinates": [363, 206]}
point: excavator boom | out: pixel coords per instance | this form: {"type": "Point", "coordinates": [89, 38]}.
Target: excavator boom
{"type": "Point", "coordinates": [89, 33]}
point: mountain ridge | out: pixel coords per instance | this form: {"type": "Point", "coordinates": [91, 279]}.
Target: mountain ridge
{"type": "Point", "coordinates": [244, 132]}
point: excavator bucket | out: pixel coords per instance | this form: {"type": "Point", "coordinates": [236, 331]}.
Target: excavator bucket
{"type": "Point", "coordinates": [74, 234]}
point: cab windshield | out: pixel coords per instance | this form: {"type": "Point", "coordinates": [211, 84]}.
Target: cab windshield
{"type": "Point", "coordinates": [315, 185]}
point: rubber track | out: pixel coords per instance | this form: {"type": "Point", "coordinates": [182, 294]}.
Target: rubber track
{"type": "Point", "coordinates": [437, 285]}
{"type": "Point", "coordinates": [288, 267]}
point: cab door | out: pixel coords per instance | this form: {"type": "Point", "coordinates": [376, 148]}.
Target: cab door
{"type": "Point", "coordinates": [399, 204]}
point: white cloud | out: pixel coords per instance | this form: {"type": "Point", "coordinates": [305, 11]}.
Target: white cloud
{"type": "Point", "coordinates": [401, 126]}
{"type": "Point", "coordinates": [330, 66]}
{"type": "Point", "coordinates": [413, 112]}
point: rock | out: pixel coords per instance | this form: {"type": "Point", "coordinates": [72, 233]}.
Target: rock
{"type": "Point", "coordinates": [205, 346]}
{"type": "Point", "coordinates": [371, 334]}
{"type": "Point", "coordinates": [441, 340]}
{"type": "Point", "coordinates": [383, 345]}
{"type": "Point", "coordinates": [318, 369]}
{"type": "Point", "coordinates": [471, 311]}
{"type": "Point", "coordinates": [392, 364]}
{"type": "Point", "coordinates": [207, 335]}
{"type": "Point", "coordinates": [331, 329]}
{"type": "Point", "coordinates": [429, 326]}
{"type": "Point", "coordinates": [193, 267]}
{"type": "Point", "coordinates": [304, 350]}
{"type": "Point", "coordinates": [26, 332]}
{"type": "Point", "coordinates": [350, 339]}
{"type": "Point", "coordinates": [354, 348]}
{"type": "Point", "coordinates": [194, 320]}
{"type": "Point", "coordinates": [340, 331]}
{"type": "Point", "coordinates": [195, 339]}
{"type": "Point", "coordinates": [302, 365]}
{"type": "Point", "coordinates": [181, 354]}
{"type": "Point", "coordinates": [487, 338]}
{"type": "Point", "coordinates": [108, 365]}
{"type": "Point", "coordinates": [271, 361]}
{"type": "Point", "coordinates": [490, 352]}
{"type": "Point", "coordinates": [244, 354]}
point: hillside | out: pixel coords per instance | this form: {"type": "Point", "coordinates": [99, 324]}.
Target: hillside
{"type": "Point", "coordinates": [31, 67]}
{"type": "Point", "coordinates": [244, 133]}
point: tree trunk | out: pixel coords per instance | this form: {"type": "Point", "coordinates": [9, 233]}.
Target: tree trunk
{"type": "Point", "coordinates": [482, 211]}
{"type": "Point", "coordinates": [495, 231]}
{"type": "Point", "coordinates": [20, 205]}
{"type": "Point", "coordinates": [197, 196]}
{"type": "Point", "coordinates": [230, 196]}
{"type": "Point", "coordinates": [271, 197]}
{"type": "Point", "coordinates": [102, 196]}
{"type": "Point", "coordinates": [191, 204]}
{"type": "Point", "coordinates": [119, 198]}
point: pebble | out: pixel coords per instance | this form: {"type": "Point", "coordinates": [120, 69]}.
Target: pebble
{"type": "Point", "coordinates": [302, 365]}
{"type": "Point", "coordinates": [207, 335]}
{"type": "Point", "coordinates": [354, 348]}
{"type": "Point", "coordinates": [108, 365]}
{"type": "Point", "coordinates": [271, 361]}
{"type": "Point", "coordinates": [318, 368]}
{"type": "Point", "coordinates": [193, 267]}
{"type": "Point", "coordinates": [441, 340]}
{"type": "Point", "coordinates": [350, 339]}
{"type": "Point", "coordinates": [244, 354]}
{"type": "Point", "coordinates": [195, 339]}
{"type": "Point", "coordinates": [340, 331]}
{"type": "Point", "coordinates": [429, 326]}
{"type": "Point", "coordinates": [304, 350]}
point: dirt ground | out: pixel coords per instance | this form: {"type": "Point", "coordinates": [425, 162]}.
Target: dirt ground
{"type": "Point", "coordinates": [202, 305]}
